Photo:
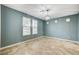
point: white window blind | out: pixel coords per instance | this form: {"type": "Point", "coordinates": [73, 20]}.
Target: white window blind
{"type": "Point", "coordinates": [34, 27]}
{"type": "Point", "coordinates": [26, 26]}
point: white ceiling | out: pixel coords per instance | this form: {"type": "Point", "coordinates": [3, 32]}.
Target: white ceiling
{"type": "Point", "coordinates": [56, 10]}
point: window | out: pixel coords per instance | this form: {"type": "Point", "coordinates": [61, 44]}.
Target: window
{"type": "Point", "coordinates": [26, 26]}
{"type": "Point", "coordinates": [34, 27]}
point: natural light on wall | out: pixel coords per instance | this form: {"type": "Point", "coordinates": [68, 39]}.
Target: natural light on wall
{"type": "Point", "coordinates": [56, 21]}
{"type": "Point", "coordinates": [68, 20]}
{"type": "Point", "coordinates": [26, 26]}
{"type": "Point", "coordinates": [47, 22]}
{"type": "Point", "coordinates": [34, 26]}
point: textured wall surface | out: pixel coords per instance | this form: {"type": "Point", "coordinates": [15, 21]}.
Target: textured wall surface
{"type": "Point", "coordinates": [12, 26]}
{"type": "Point", "coordinates": [63, 29]}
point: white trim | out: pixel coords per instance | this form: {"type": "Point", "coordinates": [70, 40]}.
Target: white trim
{"type": "Point", "coordinates": [38, 38]}
{"type": "Point", "coordinates": [64, 39]}
{"type": "Point", "coordinates": [18, 43]}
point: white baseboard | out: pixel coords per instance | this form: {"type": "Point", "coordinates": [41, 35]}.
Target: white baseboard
{"type": "Point", "coordinates": [15, 44]}
{"type": "Point", "coordinates": [37, 38]}
{"type": "Point", "coordinates": [64, 39]}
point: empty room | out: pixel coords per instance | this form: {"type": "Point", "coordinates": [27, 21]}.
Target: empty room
{"type": "Point", "coordinates": [39, 29]}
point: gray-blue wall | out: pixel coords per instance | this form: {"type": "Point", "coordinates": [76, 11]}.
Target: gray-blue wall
{"type": "Point", "coordinates": [11, 26]}
{"type": "Point", "coordinates": [0, 25]}
{"type": "Point", "coordinates": [78, 27]}
{"type": "Point", "coordinates": [63, 29]}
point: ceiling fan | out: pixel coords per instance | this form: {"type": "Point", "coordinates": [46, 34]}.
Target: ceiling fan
{"type": "Point", "coordinates": [47, 17]}
{"type": "Point", "coordinates": [45, 10]}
